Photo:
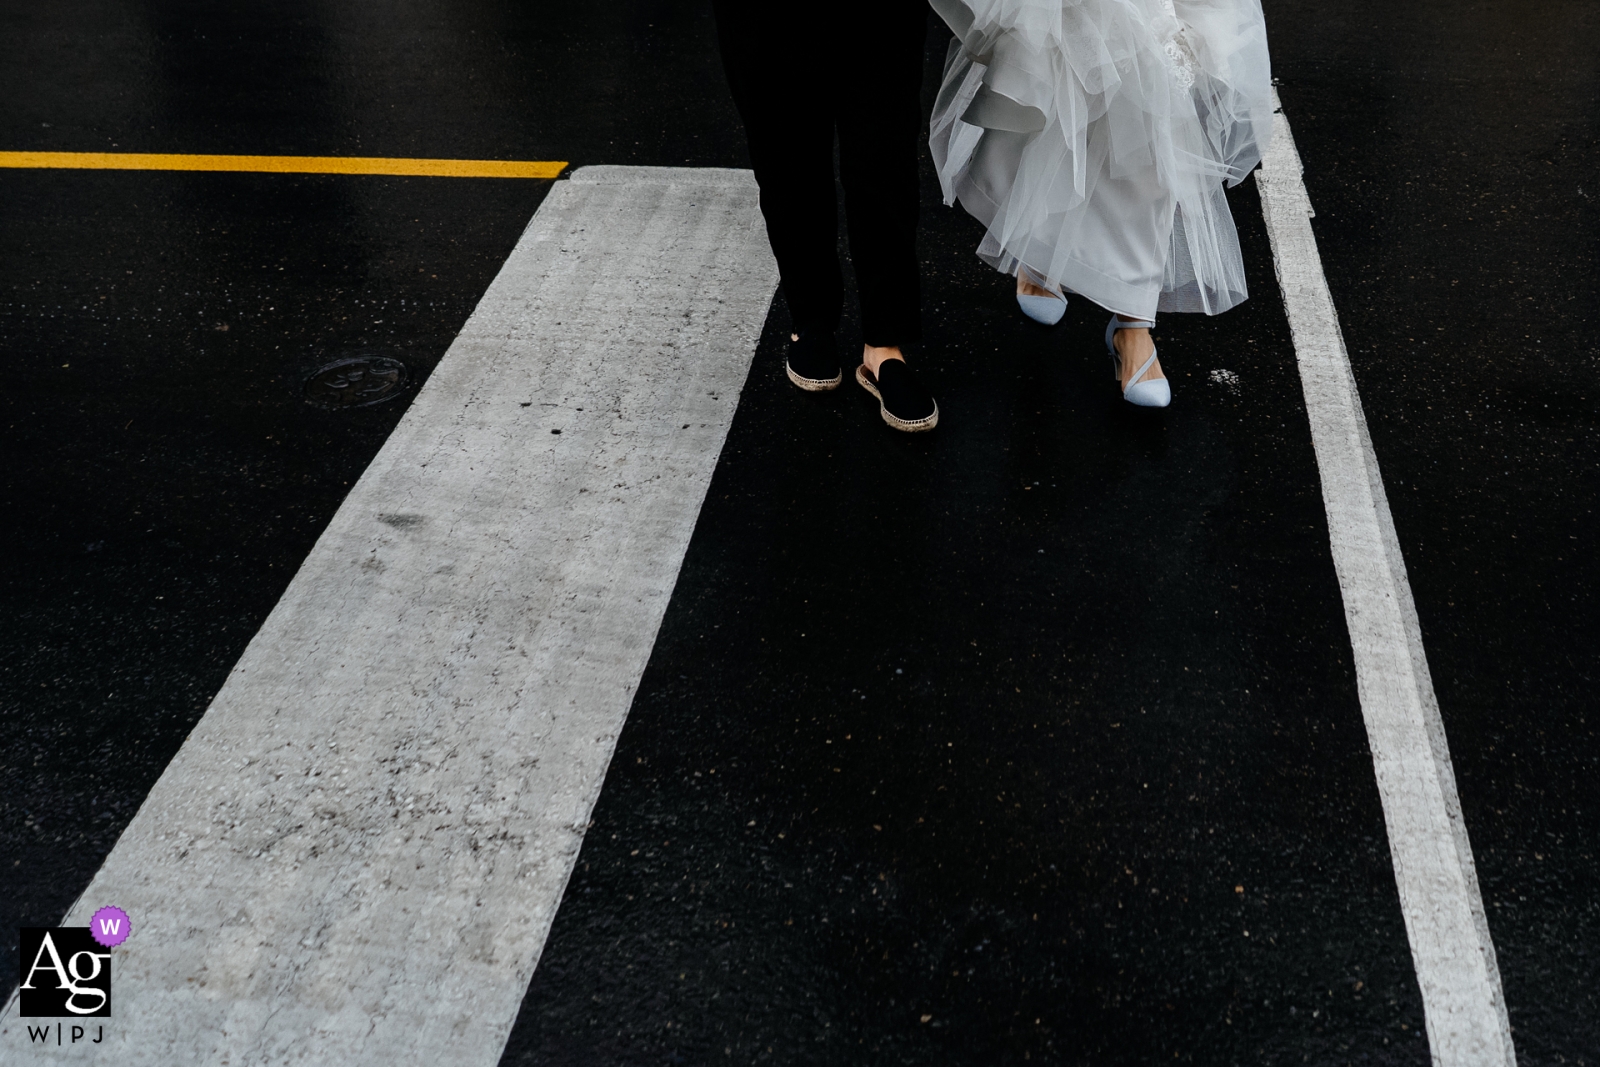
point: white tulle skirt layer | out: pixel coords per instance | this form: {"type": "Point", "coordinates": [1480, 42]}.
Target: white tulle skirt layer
{"type": "Point", "coordinates": [1093, 138]}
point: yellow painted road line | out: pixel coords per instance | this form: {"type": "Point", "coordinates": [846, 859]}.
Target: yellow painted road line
{"type": "Point", "coordinates": [427, 168]}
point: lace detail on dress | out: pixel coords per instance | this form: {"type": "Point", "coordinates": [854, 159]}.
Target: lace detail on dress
{"type": "Point", "coordinates": [1177, 47]}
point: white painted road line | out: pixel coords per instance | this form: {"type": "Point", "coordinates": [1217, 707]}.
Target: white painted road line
{"type": "Point", "coordinates": [1450, 945]}
{"type": "Point", "coordinates": [356, 856]}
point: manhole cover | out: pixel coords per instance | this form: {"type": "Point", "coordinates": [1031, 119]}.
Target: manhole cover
{"type": "Point", "coordinates": [356, 383]}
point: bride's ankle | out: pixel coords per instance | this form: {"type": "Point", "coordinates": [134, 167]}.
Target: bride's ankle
{"type": "Point", "coordinates": [1026, 286]}
{"type": "Point", "coordinates": [1134, 346]}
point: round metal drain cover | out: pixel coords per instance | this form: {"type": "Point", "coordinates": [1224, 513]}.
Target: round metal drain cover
{"type": "Point", "coordinates": [356, 383]}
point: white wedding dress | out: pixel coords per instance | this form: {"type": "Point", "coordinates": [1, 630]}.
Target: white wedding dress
{"type": "Point", "coordinates": [1093, 139]}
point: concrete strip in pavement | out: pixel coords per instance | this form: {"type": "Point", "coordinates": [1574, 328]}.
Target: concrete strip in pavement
{"type": "Point", "coordinates": [1434, 871]}
{"type": "Point", "coordinates": [356, 856]}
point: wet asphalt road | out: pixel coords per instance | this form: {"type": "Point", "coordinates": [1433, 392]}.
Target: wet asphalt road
{"type": "Point", "coordinates": [1041, 727]}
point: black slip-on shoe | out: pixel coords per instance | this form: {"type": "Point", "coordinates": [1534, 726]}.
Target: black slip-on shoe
{"type": "Point", "coordinates": [902, 400]}
{"type": "Point", "coordinates": [813, 362]}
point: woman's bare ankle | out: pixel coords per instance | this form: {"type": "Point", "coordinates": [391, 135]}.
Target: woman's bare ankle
{"type": "Point", "coordinates": [1133, 348]}
{"type": "Point", "coordinates": [1027, 287]}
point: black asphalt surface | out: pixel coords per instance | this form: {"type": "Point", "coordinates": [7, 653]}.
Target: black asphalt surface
{"type": "Point", "coordinates": [1032, 739]}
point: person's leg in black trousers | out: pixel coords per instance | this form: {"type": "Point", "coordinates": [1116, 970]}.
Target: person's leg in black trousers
{"type": "Point", "coordinates": [793, 92]}
{"type": "Point", "coordinates": [772, 73]}
{"type": "Point", "coordinates": [878, 167]}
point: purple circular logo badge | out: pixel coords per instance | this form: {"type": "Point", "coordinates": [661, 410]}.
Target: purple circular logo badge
{"type": "Point", "coordinates": [110, 926]}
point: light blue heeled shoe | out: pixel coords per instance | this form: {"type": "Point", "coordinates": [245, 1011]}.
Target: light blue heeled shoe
{"type": "Point", "coordinates": [1155, 393]}
{"type": "Point", "coordinates": [1045, 310]}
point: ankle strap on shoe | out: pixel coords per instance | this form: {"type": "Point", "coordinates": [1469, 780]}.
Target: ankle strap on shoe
{"type": "Point", "coordinates": [1120, 323]}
